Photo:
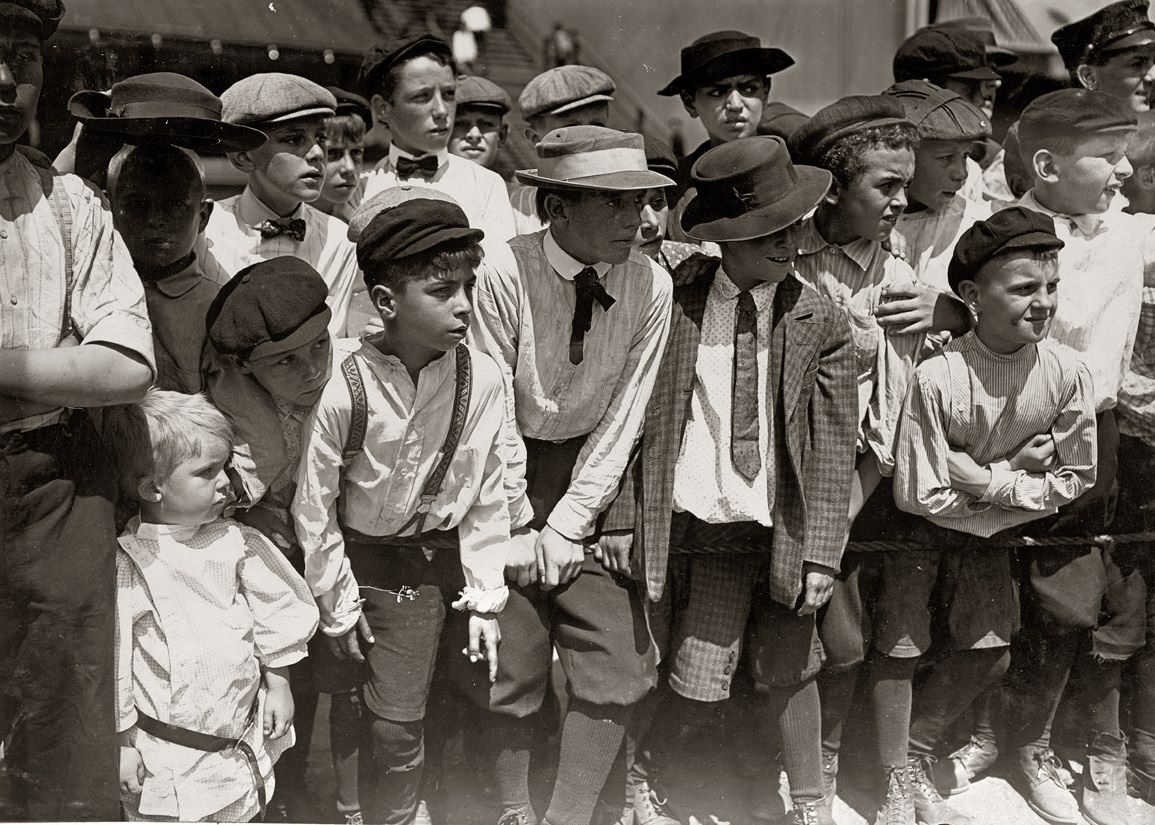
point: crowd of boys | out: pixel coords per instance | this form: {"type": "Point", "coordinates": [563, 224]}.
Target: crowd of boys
{"type": "Point", "coordinates": [783, 408]}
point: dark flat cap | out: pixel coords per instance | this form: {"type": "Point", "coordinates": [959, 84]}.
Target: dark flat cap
{"type": "Point", "coordinates": [935, 53]}
{"type": "Point", "coordinates": [1015, 227]}
{"type": "Point", "coordinates": [984, 29]}
{"type": "Point", "coordinates": [274, 97]}
{"type": "Point", "coordinates": [483, 93]}
{"type": "Point", "coordinates": [1113, 28]}
{"type": "Point", "coordinates": [938, 113]}
{"type": "Point", "coordinates": [564, 88]}
{"type": "Point", "coordinates": [380, 59]}
{"type": "Point", "coordinates": [841, 118]}
{"type": "Point", "coordinates": [44, 15]}
{"type": "Point", "coordinates": [264, 303]}
{"type": "Point", "coordinates": [349, 103]}
{"type": "Point", "coordinates": [1074, 112]}
{"type": "Point", "coordinates": [780, 120]}
{"type": "Point", "coordinates": [717, 54]}
{"type": "Point", "coordinates": [660, 157]}
{"type": "Point", "coordinates": [411, 227]}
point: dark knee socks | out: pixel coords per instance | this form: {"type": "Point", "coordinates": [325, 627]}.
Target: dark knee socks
{"type": "Point", "coordinates": [888, 684]}
{"type": "Point", "coordinates": [345, 711]}
{"type": "Point", "coordinates": [949, 690]}
{"type": "Point", "coordinates": [794, 712]}
{"type": "Point", "coordinates": [389, 773]}
{"type": "Point", "coordinates": [591, 738]}
{"type": "Point", "coordinates": [1041, 665]}
{"type": "Point", "coordinates": [509, 742]}
{"type": "Point", "coordinates": [836, 689]}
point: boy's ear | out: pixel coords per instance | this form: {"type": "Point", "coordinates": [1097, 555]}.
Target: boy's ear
{"type": "Point", "coordinates": [380, 107]}
{"type": "Point", "coordinates": [241, 364]}
{"type": "Point", "coordinates": [688, 103]}
{"type": "Point", "coordinates": [833, 194]}
{"type": "Point", "coordinates": [556, 208]}
{"type": "Point", "coordinates": [502, 134]}
{"type": "Point", "coordinates": [1145, 176]}
{"type": "Point", "coordinates": [206, 213]}
{"type": "Point", "coordinates": [969, 292]}
{"type": "Point", "coordinates": [1086, 76]}
{"type": "Point", "coordinates": [383, 299]}
{"type": "Point", "coordinates": [147, 489]}
{"type": "Point", "coordinates": [1043, 165]}
{"type": "Point", "coordinates": [242, 161]}
{"type": "Point", "coordinates": [532, 136]}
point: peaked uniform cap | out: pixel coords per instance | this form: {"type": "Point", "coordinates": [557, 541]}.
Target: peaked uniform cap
{"type": "Point", "coordinates": [942, 52]}
{"type": "Point", "coordinates": [1113, 28]}
{"type": "Point", "coordinates": [592, 157]}
{"type": "Point", "coordinates": [563, 89]}
{"type": "Point", "coordinates": [275, 97]}
{"type": "Point", "coordinates": [717, 53]}
{"type": "Point", "coordinates": [938, 113]}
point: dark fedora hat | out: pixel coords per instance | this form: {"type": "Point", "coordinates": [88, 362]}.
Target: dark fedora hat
{"type": "Point", "coordinates": [725, 50]}
{"type": "Point", "coordinates": [163, 107]}
{"type": "Point", "coordinates": [749, 188]}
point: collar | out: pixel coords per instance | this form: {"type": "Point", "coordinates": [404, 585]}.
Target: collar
{"type": "Point", "coordinates": [566, 265]}
{"type": "Point", "coordinates": [810, 241]}
{"type": "Point", "coordinates": [176, 285]}
{"type": "Point", "coordinates": [395, 153]}
{"type": "Point", "coordinates": [1087, 224]}
{"type": "Point", "coordinates": [155, 532]}
{"type": "Point", "coordinates": [724, 289]}
{"type": "Point", "coordinates": [253, 212]}
{"type": "Point", "coordinates": [370, 352]}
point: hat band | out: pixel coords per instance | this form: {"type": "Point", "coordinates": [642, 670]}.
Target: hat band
{"type": "Point", "coordinates": [595, 162]}
{"type": "Point", "coordinates": [736, 197]}
{"type": "Point", "coordinates": [163, 108]}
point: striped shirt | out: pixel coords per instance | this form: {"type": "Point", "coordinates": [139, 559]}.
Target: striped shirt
{"type": "Point", "coordinates": [987, 405]}
{"type": "Point", "coordinates": [233, 241]}
{"type": "Point", "coordinates": [523, 309]}
{"type": "Point", "coordinates": [177, 307]}
{"type": "Point", "coordinates": [523, 199]}
{"type": "Point", "coordinates": [107, 304]}
{"type": "Point", "coordinates": [856, 276]}
{"type": "Point", "coordinates": [199, 611]}
{"type": "Point", "coordinates": [926, 239]}
{"type": "Point", "coordinates": [1101, 266]}
{"type": "Point", "coordinates": [377, 492]}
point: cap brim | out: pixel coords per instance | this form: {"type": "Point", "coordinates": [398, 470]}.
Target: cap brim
{"type": "Point", "coordinates": [1032, 240]}
{"type": "Point", "coordinates": [323, 111]}
{"type": "Point", "coordinates": [813, 184]}
{"type": "Point", "coordinates": [981, 73]}
{"type": "Point", "coordinates": [576, 104]}
{"type": "Point", "coordinates": [625, 181]}
{"type": "Point", "coordinates": [1000, 57]}
{"type": "Point", "coordinates": [1143, 37]}
{"type": "Point", "coordinates": [198, 134]}
{"type": "Point", "coordinates": [445, 235]}
{"type": "Point", "coordinates": [765, 60]}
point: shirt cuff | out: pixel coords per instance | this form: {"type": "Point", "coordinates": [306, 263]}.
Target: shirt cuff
{"type": "Point", "coordinates": [520, 512]}
{"type": "Point", "coordinates": [126, 721]}
{"type": "Point", "coordinates": [286, 657]}
{"type": "Point", "coordinates": [482, 601]}
{"type": "Point", "coordinates": [1000, 490]}
{"type": "Point", "coordinates": [570, 520]}
{"type": "Point", "coordinates": [127, 332]}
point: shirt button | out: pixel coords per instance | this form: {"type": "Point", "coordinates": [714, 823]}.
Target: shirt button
{"type": "Point", "coordinates": [726, 670]}
{"type": "Point", "coordinates": [14, 300]}
{"type": "Point", "coordinates": [3, 233]}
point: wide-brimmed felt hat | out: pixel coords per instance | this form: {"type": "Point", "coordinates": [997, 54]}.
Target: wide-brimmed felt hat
{"type": "Point", "coordinates": [592, 157]}
{"type": "Point", "coordinates": [1114, 28]}
{"type": "Point", "coordinates": [724, 51]}
{"type": "Point", "coordinates": [163, 107]}
{"type": "Point", "coordinates": [937, 52]}
{"type": "Point", "coordinates": [749, 188]}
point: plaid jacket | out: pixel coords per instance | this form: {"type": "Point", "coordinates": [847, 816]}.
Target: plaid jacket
{"type": "Point", "coordinates": [815, 407]}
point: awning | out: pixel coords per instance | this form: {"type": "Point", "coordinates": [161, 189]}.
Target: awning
{"type": "Point", "coordinates": [310, 25]}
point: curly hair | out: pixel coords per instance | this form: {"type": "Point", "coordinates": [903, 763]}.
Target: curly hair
{"type": "Point", "coordinates": [844, 157]}
{"type": "Point", "coordinates": [446, 257]}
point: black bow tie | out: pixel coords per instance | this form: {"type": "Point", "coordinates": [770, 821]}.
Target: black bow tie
{"type": "Point", "coordinates": [293, 227]}
{"type": "Point", "coordinates": [589, 289]}
{"type": "Point", "coordinates": [422, 167]}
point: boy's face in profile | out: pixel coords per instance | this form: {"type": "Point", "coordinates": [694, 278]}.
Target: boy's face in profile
{"type": "Point", "coordinates": [940, 170]}
{"type": "Point", "coordinates": [1128, 75]}
{"type": "Point", "coordinates": [295, 374]}
{"type": "Point", "coordinates": [420, 112]}
{"type": "Point", "coordinates": [767, 260]}
{"type": "Point", "coordinates": [20, 80]}
{"type": "Point", "coordinates": [430, 314]}
{"type": "Point", "coordinates": [654, 216]}
{"type": "Point", "coordinates": [601, 226]}
{"type": "Point", "coordinates": [730, 107]}
{"type": "Point", "coordinates": [195, 492]}
{"type": "Point", "coordinates": [1086, 180]}
{"type": "Point", "coordinates": [478, 134]}
{"type": "Point", "coordinates": [290, 167]}
{"type": "Point", "coordinates": [870, 204]}
{"type": "Point", "coordinates": [159, 220]}
{"type": "Point", "coordinates": [1013, 298]}
{"type": "Point", "coordinates": [344, 160]}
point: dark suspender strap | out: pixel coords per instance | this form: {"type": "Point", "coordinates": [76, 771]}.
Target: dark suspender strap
{"type": "Point", "coordinates": [207, 742]}
{"type": "Point", "coordinates": [58, 201]}
{"type": "Point", "coordinates": [360, 407]}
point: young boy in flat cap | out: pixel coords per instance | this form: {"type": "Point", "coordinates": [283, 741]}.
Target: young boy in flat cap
{"type": "Point", "coordinates": [344, 152]}
{"type": "Point", "coordinates": [578, 325]}
{"type": "Point", "coordinates": [1083, 605]}
{"type": "Point", "coordinates": [273, 216]}
{"type": "Point", "coordinates": [1112, 51]}
{"type": "Point", "coordinates": [869, 146]}
{"type": "Point", "coordinates": [74, 334]}
{"type": "Point", "coordinates": [411, 85]}
{"type": "Point", "coordinates": [479, 127]}
{"type": "Point", "coordinates": [721, 465]}
{"type": "Point", "coordinates": [400, 504]}
{"type": "Point", "coordinates": [655, 216]}
{"type": "Point", "coordinates": [936, 213]}
{"type": "Point", "coordinates": [561, 96]}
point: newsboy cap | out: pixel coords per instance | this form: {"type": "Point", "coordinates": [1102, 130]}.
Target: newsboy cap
{"type": "Point", "coordinates": [482, 92]}
{"type": "Point", "coordinates": [1009, 229]}
{"type": "Point", "coordinates": [984, 29]}
{"type": "Point", "coordinates": [936, 53]}
{"type": "Point", "coordinates": [349, 103]}
{"type": "Point", "coordinates": [938, 113]}
{"type": "Point", "coordinates": [841, 118]}
{"type": "Point", "coordinates": [718, 53]}
{"type": "Point", "coordinates": [380, 59]}
{"type": "Point", "coordinates": [44, 15]}
{"type": "Point", "coordinates": [275, 97]}
{"type": "Point", "coordinates": [1074, 112]}
{"type": "Point", "coordinates": [409, 228]}
{"type": "Point", "coordinates": [264, 304]}
{"type": "Point", "coordinates": [564, 88]}
{"type": "Point", "coordinates": [1113, 28]}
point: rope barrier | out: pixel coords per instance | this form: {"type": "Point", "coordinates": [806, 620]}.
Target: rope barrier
{"type": "Point", "coordinates": [1103, 540]}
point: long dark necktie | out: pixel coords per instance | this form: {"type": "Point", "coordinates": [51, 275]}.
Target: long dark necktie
{"type": "Point", "coordinates": [293, 227]}
{"type": "Point", "coordinates": [589, 289]}
{"type": "Point", "coordinates": [744, 452]}
{"type": "Point", "coordinates": [422, 167]}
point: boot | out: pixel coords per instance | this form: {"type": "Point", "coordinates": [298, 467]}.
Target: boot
{"type": "Point", "coordinates": [811, 812]}
{"type": "Point", "coordinates": [953, 776]}
{"type": "Point", "coordinates": [651, 807]}
{"type": "Point", "coordinates": [1045, 792]}
{"type": "Point", "coordinates": [1105, 800]}
{"type": "Point", "coordinates": [929, 806]}
{"type": "Point", "coordinates": [830, 775]}
{"type": "Point", "coordinates": [520, 816]}
{"type": "Point", "coordinates": [897, 807]}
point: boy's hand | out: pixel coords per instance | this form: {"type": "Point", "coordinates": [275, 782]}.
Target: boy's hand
{"type": "Point", "coordinates": [483, 627]}
{"type": "Point", "coordinates": [271, 527]}
{"type": "Point", "coordinates": [819, 586]}
{"type": "Point", "coordinates": [909, 308]}
{"type": "Point", "coordinates": [559, 559]}
{"type": "Point", "coordinates": [347, 646]}
{"type": "Point", "coordinates": [132, 770]}
{"type": "Point", "coordinates": [278, 716]}
{"type": "Point", "coordinates": [966, 474]}
{"type": "Point", "coordinates": [521, 560]}
{"type": "Point", "coordinates": [613, 551]}
{"type": "Point", "coordinates": [1036, 456]}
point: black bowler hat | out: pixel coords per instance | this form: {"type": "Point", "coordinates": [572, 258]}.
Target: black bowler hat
{"type": "Point", "coordinates": [727, 51]}
{"type": "Point", "coordinates": [380, 59]}
{"type": "Point", "coordinates": [1009, 229]}
{"type": "Point", "coordinates": [349, 103]}
{"type": "Point", "coordinates": [1074, 112]}
{"type": "Point", "coordinates": [163, 107]}
{"type": "Point", "coordinates": [841, 118]}
{"type": "Point", "coordinates": [43, 14]}
{"type": "Point", "coordinates": [935, 53]}
{"type": "Point", "coordinates": [1113, 28]}
{"type": "Point", "coordinates": [749, 188]}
